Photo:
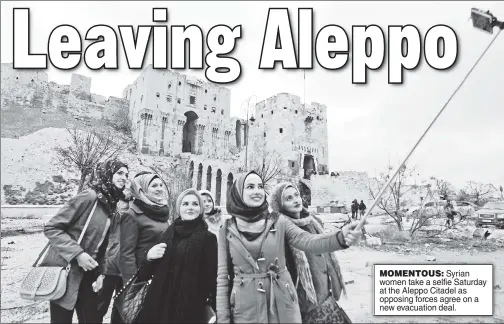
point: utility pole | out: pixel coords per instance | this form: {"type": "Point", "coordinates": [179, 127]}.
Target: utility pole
{"type": "Point", "coordinates": [246, 124]}
{"type": "Point", "coordinates": [304, 89]}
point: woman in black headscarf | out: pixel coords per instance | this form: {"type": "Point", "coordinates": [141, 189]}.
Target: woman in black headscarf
{"type": "Point", "coordinates": [184, 268]}
{"type": "Point", "coordinates": [87, 258]}
{"type": "Point", "coordinates": [253, 284]}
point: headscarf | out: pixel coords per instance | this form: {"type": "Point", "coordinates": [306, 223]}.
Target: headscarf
{"type": "Point", "coordinates": [209, 195]}
{"type": "Point", "coordinates": [190, 191]}
{"type": "Point", "coordinates": [139, 190]}
{"type": "Point", "coordinates": [153, 207]}
{"type": "Point", "coordinates": [237, 208]}
{"type": "Point", "coordinates": [186, 227]}
{"type": "Point", "coordinates": [276, 202]}
{"type": "Point", "coordinates": [300, 259]}
{"type": "Point", "coordinates": [101, 182]}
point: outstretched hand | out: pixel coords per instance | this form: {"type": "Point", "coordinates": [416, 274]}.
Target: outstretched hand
{"type": "Point", "coordinates": [351, 235]}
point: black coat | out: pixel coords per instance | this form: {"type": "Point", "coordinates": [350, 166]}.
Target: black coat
{"type": "Point", "coordinates": [139, 231]}
{"type": "Point", "coordinates": [184, 278]}
{"type": "Point", "coordinates": [355, 207]}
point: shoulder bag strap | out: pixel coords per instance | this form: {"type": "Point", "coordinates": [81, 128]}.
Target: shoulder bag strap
{"type": "Point", "coordinates": [46, 249]}
{"type": "Point", "coordinates": [229, 261]}
{"type": "Point", "coordinates": [87, 222]}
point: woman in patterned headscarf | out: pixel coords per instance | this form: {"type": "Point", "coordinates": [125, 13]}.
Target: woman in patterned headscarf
{"type": "Point", "coordinates": [102, 182]}
{"type": "Point", "coordinates": [99, 203]}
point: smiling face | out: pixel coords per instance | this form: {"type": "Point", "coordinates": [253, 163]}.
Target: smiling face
{"type": "Point", "coordinates": [120, 177]}
{"type": "Point", "coordinates": [253, 191]}
{"type": "Point", "coordinates": [156, 188]}
{"type": "Point", "coordinates": [190, 207]}
{"type": "Point", "coordinates": [291, 200]}
{"type": "Point", "coordinates": [207, 204]}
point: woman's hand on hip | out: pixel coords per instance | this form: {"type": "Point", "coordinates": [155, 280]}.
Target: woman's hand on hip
{"type": "Point", "coordinates": [156, 252]}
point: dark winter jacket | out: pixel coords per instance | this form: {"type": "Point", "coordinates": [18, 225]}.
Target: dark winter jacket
{"type": "Point", "coordinates": [184, 278]}
{"type": "Point", "coordinates": [355, 206]}
{"type": "Point", "coordinates": [138, 234]}
{"type": "Point", "coordinates": [362, 206]}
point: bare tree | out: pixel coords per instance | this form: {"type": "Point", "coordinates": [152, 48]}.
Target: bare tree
{"type": "Point", "coordinates": [86, 149]}
{"type": "Point", "coordinates": [479, 191]}
{"type": "Point", "coordinates": [393, 198]}
{"type": "Point", "coordinates": [267, 164]}
{"type": "Point", "coordinates": [443, 187]}
{"type": "Point", "coordinates": [463, 195]}
{"type": "Point", "coordinates": [420, 217]}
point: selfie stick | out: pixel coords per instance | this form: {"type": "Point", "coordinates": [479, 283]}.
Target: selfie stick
{"type": "Point", "coordinates": [382, 191]}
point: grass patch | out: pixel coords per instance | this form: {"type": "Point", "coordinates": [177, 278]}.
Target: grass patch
{"type": "Point", "coordinates": [392, 233]}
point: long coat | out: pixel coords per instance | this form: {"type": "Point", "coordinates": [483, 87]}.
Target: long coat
{"type": "Point", "coordinates": [259, 294]}
{"type": "Point", "coordinates": [182, 280]}
{"type": "Point", "coordinates": [63, 231]}
{"type": "Point", "coordinates": [138, 234]}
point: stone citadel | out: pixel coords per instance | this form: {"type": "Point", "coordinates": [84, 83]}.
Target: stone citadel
{"type": "Point", "coordinates": [176, 115]}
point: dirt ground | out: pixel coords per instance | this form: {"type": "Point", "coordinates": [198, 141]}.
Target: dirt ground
{"type": "Point", "coordinates": [19, 252]}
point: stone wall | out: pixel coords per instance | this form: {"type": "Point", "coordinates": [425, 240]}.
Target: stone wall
{"type": "Point", "coordinates": [157, 107]}
{"type": "Point", "coordinates": [293, 130]}
{"type": "Point", "coordinates": [28, 93]}
{"type": "Point", "coordinates": [343, 189]}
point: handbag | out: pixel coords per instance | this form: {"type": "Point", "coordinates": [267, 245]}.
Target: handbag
{"type": "Point", "coordinates": [328, 312]}
{"type": "Point", "coordinates": [49, 282]}
{"type": "Point", "coordinates": [130, 299]}
{"type": "Point", "coordinates": [209, 315]}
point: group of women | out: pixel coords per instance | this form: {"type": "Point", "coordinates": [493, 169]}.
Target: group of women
{"type": "Point", "coordinates": [268, 263]}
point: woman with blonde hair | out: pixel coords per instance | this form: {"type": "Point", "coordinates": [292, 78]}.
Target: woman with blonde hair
{"type": "Point", "coordinates": [318, 277]}
{"type": "Point", "coordinates": [253, 284]}
{"type": "Point", "coordinates": [183, 267]}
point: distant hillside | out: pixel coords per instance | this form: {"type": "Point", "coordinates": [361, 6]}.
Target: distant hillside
{"type": "Point", "coordinates": [30, 159]}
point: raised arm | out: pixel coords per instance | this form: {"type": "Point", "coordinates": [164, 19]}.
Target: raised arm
{"type": "Point", "coordinates": [313, 243]}
{"type": "Point", "coordinates": [222, 300]}
{"type": "Point", "coordinates": [127, 245]}
{"type": "Point", "coordinates": [56, 230]}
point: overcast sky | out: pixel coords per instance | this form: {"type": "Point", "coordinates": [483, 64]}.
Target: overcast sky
{"type": "Point", "coordinates": [368, 124]}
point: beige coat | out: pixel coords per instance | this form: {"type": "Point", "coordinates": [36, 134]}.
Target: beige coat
{"type": "Point", "coordinates": [259, 294]}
